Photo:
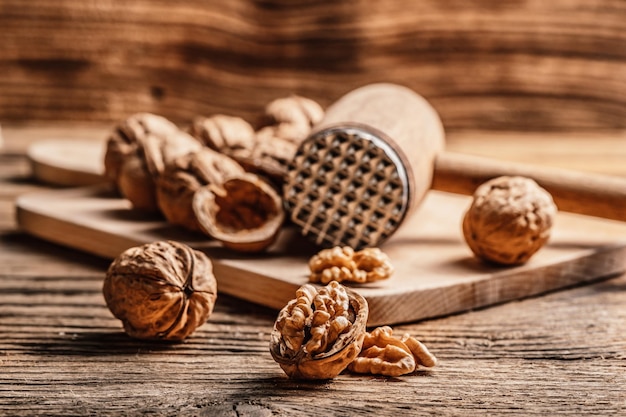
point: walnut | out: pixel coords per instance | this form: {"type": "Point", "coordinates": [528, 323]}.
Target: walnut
{"type": "Point", "coordinates": [288, 122]}
{"type": "Point", "coordinates": [293, 117]}
{"type": "Point", "coordinates": [226, 134]}
{"type": "Point", "coordinates": [244, 213]}
{"type": "Point", "coordinates": [136, 154]}
{"type": "Point", "coordinates": [162, 290]}
{"type": "Point", "coordinates": [317, 334]}
{"type": "Point", "coordinates": [383, 353]}
{"type": "Point", "coordinates": [183, 176]}
{"type": "Point", "coordinates": [270, 155]}
{"type": "Point", "coordinates": [344, 264]}
{"type": "Point", "coordinates": [510, 219]}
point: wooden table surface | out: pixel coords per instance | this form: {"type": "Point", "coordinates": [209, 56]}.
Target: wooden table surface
{"type": "Point", "coordinates": [62, 352]}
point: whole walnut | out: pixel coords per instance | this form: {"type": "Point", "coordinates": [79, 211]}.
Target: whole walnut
{"type": "Point", "coordinates": [287, 122]}
{"type": "Point", "coordinates": [162, 290]}
{"type": "Point", "coordinates": [229, 135]}
{"type": "Point", "coordinates": [137, 151]}
{"type": "Point", "coordinates": [509, 220]}
{"type": "Point", "coordinates": [320, 332]}
{"type": "Point", "coordinates": [293, 116]}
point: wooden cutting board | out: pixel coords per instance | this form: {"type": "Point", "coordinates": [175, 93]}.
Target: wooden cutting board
{"type": "Point", "coordinates": [436, 273]}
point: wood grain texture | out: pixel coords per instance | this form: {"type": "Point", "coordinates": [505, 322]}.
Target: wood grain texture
{"type": "Point", "coordinates": [62, 353]}
{"type": "Point", "coordinates": [435, 272]}
{"type": "Point", "coordinates": [515, 65]}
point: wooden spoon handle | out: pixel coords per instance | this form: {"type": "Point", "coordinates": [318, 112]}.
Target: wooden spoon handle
{"type": "Point", "coordinates": [573, 191]}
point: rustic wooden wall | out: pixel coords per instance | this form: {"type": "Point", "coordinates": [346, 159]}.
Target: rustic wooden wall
{"type": "Point", "coordinates": [484, 64]}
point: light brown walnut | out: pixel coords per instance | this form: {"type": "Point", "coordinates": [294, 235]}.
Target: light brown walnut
{"type": "Point", "coordinates": [230, 135]}
{"type": "Point", "coordinates": [288, 121]}
{"type": "Point", "coordinates": [270, 155]}
{"type": "Point", "coordinates": [183, 176]}
{"type": "Point", "coordinates": [293, 117]}
{"type": "Point", "coordinates": [244, 213]}
{"type": "Point", "coordinates": [509, 220]}
{"type": "Point", "coordinates": [383, 353]}
{"type": "Point", "coordinates": [344, 264]}
{"type": "Point", "coordinates": [162, 290]}
{"type": "Point", "coordinates": [317, 334]}
{"type": "Point", "coordinates": [136, 154]}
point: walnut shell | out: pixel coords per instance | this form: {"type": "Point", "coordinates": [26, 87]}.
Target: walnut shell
{"type": "Point", "coordinates": [293, 116]}
{"type": "Point", "coordinates": [162, 290]}
{"type": "Point", "coordinates": [509, 220]}
{"type": "Point", "coordinates": [186, 174]}
{"type": "Point", "coordinates": [244, 213]}
{"type": "Point", "coordinates": [136, 154]}
{"type": "Point", "coordinates": [226, 134]}
{"type": "Point", "coordinates": [320, 332]}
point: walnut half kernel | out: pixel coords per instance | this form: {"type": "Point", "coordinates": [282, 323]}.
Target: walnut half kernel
{"type": "Point", "coordinates": [162, 290]}
{"type": "Point", "coordinates": [385, 354]}
{"type": "Point", "coordinates": [317, 334]}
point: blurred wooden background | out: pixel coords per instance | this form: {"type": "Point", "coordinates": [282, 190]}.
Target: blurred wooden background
{"type": "Point", "coordinates": [514, 65]}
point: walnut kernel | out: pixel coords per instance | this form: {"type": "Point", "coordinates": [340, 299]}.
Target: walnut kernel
{"type": "Point", "coordinates": [344, 264]}
{"type": "Point", "coordinates": [383, 353]}
{"type": "Point", "coordinates": [317, 334]}
{"type": "Point", "coordinates": [509, 220]}
{"type": "Point", "coordinates": [162, 290]}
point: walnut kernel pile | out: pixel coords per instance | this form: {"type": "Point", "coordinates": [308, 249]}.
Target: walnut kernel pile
{"type": "Point", "coordinates": [345, 264]}
{"type": "Point", "coordinates": [383, 353]}
{"type": "Point", "coordinates": [322, 332]}
{"type": "Point", "coordinates": [509, 220]}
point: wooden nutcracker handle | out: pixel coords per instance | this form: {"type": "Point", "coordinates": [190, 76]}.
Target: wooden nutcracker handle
{"type": "Point", "coordinates": [573, 191]}
{"type": "Point", "coordinates": [377, 152]}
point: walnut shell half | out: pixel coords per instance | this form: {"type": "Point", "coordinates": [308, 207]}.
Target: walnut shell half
{"type": "Point", "coordinates": [162, 290]}
{"type": "Point", "coordinates": [244, 212]}
{"type": "Point", "coordinates": [184, 175]}
{"type": "Point", "coordinates": [320, 332]}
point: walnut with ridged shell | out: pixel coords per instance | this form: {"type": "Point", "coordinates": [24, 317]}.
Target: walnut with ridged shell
{"type": "Point", "coordinates": [183, 176]}
{"type": "Point", "coordinates": [162, 290]}
{"type": "Point", "coordinates": [509, 220]}
{"type": "Point", "coordinates": [136, 154]}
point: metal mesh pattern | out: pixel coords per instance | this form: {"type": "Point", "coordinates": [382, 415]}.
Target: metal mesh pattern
{"type": "Point", "coordinates": [346, 187]}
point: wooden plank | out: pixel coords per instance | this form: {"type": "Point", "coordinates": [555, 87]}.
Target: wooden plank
{"type": "Point", "coordinates": [435, 272]}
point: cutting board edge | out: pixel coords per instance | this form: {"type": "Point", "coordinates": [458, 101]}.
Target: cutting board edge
{"type": "Point", "coordinates": [34, 219]}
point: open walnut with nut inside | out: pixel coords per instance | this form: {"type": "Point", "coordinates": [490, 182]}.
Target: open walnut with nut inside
{"type": "Point", "coordinates": [320, 332]}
